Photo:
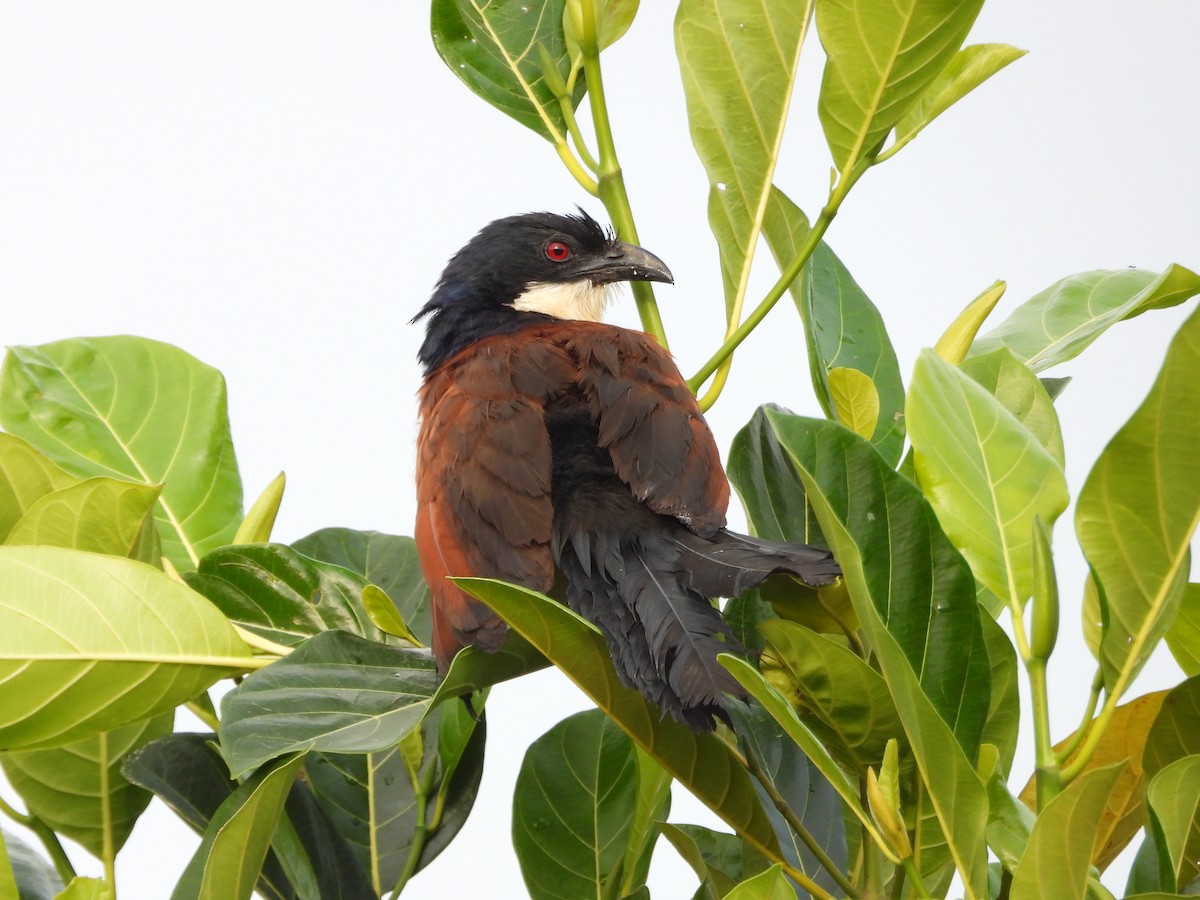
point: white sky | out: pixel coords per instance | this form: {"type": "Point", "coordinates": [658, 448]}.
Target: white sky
{"type": "Point", "coordinates": [274, 187]}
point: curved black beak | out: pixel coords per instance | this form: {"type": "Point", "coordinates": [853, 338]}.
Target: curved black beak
{"type": "Point", "coordinates": [626, 262]}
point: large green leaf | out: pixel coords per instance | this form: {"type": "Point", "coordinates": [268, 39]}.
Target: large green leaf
{"type": "Point", "coordinates": [89, 643]}
{"type": "Point", "coordinates": [915, 599]}
{"type": "Point", "coordinates": [102, 515]}
{"type": "Point", "coordinates": [82, 888]}
{"type": "Point", "coordinates": [282, 595]}
{"type": "Point", "coordinates": [1183, 637]}
{"type": "Point", "coordinates": [699, 761]}
{"type": "Point", "coordinates": [1021, 393]}
{"type": "Point", "coordinates": [1055, 864]}
{"type": "Point", "coordinates": [914, 580]}
{"type": "Point", "coordinates": [137, 410]}
{"type": "Point", "coordinates": [1060, 322]}
{"type": "Point", "coordinates": [650, 810]}
{"type": "Point", "coordinates": [968, 69]}
{"type": "Point", "coordinates": [1175, 732]}
{"type": "Point", "coordinates": [235, 844]}
{"type": "Point", "coordinates": [842, 327]}
{"type": "Point", "coordinates": [738, 59]}
{"type": "Point", "coordinates": [25, 476]}
{"type": "Point", "coordinates": [336, 692]}
{"type": "Point", "coordinates": [719, 860]}
{"type": "Point", "coordinates": [187, 773]}
{"type": "Point", "coordinates": [769, 885]}
{"type": "Point", "coordinates": [1139, 508]}
{"type": "Point", "coordinates": [1173, 796]}
{"type": "Point", "coordinates": [572, 808]}
{"type": "Point", "coordinates": [843, 699]}
{"type": "Point", "coordinates": [883, 55]}
{"type": "Point", "coordinates": [985, 475]}
{"type": "Point", "coordinates": [372, 801]}
{"type": "Point", "coordinates": [492, 45]}
{"type": "Point", "coordinates": [388, 561]}
{"type": "Point", "coordinates": [78, 789]}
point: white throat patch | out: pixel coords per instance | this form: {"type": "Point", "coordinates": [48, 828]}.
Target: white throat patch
{"type": "Point", "coordinates": [580, 300]}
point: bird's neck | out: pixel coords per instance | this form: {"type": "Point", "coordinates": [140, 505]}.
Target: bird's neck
{"type": "Point", "coordinates": [458, 317]}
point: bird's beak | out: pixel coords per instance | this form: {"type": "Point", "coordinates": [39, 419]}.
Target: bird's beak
{"type": "Point", "coordinates": [626, 262]}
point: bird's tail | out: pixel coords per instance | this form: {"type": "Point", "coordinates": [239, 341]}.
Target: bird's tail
{"type": "Point", "coordinates": [729, 563]}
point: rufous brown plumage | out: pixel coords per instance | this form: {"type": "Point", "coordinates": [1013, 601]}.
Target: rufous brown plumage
{"type": "Point", "coordinates": [557, 451]}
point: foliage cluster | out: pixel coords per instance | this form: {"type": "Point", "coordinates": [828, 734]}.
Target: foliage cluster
{"type": "Point", "coordinates": [875, 758]}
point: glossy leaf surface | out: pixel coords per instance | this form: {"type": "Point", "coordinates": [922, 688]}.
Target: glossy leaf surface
{"type": "Point", "coordinates": [136, 410]}
{"type": "Point", "coordinates": [25, 475]}
{"type": "Point", "coordinates": [110, 640]}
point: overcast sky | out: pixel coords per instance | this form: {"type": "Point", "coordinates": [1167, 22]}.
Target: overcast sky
{"type": "Point", "coordinates": [274, 187]}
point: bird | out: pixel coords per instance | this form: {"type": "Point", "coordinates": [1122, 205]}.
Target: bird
{"type": "Point", "coordinates": [568, 456]}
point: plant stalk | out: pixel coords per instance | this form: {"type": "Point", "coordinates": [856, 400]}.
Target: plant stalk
{"type": "Point", "coordinates": [1048, 775]}
{"type": "Point", "coordinates": [611, 182]}
{"type": "Point", "coordinates": [1085, 726]}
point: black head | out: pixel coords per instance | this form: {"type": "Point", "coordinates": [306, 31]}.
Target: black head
{"type": "Point", "coordinates": [525, 266]}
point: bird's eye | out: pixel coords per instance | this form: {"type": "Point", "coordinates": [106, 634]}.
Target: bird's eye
{"type": "Point", "coordinates": [558, 251]}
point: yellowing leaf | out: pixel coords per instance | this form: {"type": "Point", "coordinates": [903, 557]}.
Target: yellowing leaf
{"type": "Point", "coordinates": [855, 400]}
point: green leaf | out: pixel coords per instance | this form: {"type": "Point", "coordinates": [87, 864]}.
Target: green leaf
{"type": "Point", "coordinates": [1183, 637]}
{"type": "Point", "coordinates": [766, 481]}
{"type": "Point", "coordinates": [1060, 322]}
{"type": "Point", "coordinates": [89, 643]}
{"type": "Point", "coordinates": [913, 579]}
{"type": "Point", "coordinates": [25, 476]}
{"type": "Point", "coordinates": [1175, 732]}
{"type": "Point", "coordinates": [1055, 863]}
{"type": "Point", "coordinates": [336, 692]}
{"type": "Point", "coordinates": [78, 790]}
{"type": "Point", "coordinates": [101, 515]}
{"type": "Point", "coordinates": [718, 859]}
{"type": "Point", "coordinates": [842, 327]}
{"type": "Point", "coordinates": [572, 807]}
{"type": "Point", "coordinates": [883, 56]}
{"type": "Point", "coordinates": [653, 804]}
{"type": "Point", "coordinates": [1174, 799]}
{"type": "Point", "coordinates": [386, 560]}
{"type": "Point", "coordinates": [984, 473]}
{"type": "Point", "coordinates": [256, 527]}
{"type": "Point", "coordinates": [282, 595]}
{"type": "Point", "coordinates": [770, 885]}
{"type": "Point", "coordinates": [474, 670]}
{"type": "Point", "coordinates": [8, 881]}
{"type": "Point", "coordinates": [32, 875]}
{"type": "Point", "coordinates": [1139, 508]}
{"type": "Point", "coordinates": [923, 598]}
{"type": "Point", "coordinates": [87, 889]}
{"type": "Point", "coordinates": [1010, 822]}
{"type": "Point", "coordinates": [855, 400]}
{"type": "Point", "coordinates": [968, 69]}
{"type": "Point", "coordinates": [956, 340]}
{"type": "Point", "coordinates": [137, 410]}
{"type": "Point", "coordinates": [783, 713]}
{"type": "Point", "coordinates": [843, 699]}
{"type": "Point", "coordinates": [738, 60]}
{"type": "Point", "coordinates": [1021, 393]}
{"type": "Point", "coordinates": [187, 773]}
{"type": "Point", "coordinates": [1004, 712]}
{"type": "Point", "coordinates": [698, 760]}
{"type": "Point", "coordinates": [491, 45]}
{"type": "Point", "coordinates": [777, 761]}
{"type": "Point", "coordinates": [226, 865]}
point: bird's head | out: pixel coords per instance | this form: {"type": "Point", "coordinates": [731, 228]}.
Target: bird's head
{"type": "Point", "coordinates": [537, 264]}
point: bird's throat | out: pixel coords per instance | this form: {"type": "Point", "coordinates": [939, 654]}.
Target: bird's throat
{"type": "Point", "coordinates": [580, 300]}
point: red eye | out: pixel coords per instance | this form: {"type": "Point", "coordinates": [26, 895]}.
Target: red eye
{"type": "Point", "coordinates": [558, 251]}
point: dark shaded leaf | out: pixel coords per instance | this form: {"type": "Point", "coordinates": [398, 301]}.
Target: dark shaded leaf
{"type": "Point", "coordinates": [336, 693]}
{"type": "Point", "coordinates": [387, 561]}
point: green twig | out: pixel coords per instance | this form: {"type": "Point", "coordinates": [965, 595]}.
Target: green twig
{"type": "Point", "coordinates": [581, 147]}
{"type": "Point", "coordinates": [204, 715]}
{"type": "Point", "coordinates": [45, 834]}
{"type": "Point", "coordinates": [789, 815]}
{"type": "Point", "coordinates": [1081, 732]}
{"type": "Point", "coordinates": [422, 829]}
{"type": "Point", "coordinates": [1048, 775]}
{"type": "Point", "coordinates": [611, 182]}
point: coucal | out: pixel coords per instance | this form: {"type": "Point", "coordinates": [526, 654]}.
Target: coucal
{"type": "Point", "coordinates": [568, 456]}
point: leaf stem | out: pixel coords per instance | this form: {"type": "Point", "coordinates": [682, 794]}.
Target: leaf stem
{"type": "Point", "coordinates": [581, 147]}
{"type": "Point", "coordinates": [204, 715]}
{"type": "Point", "coordinates": [611, 182]}
{"type": "Point", "coordinates": [62, 863]}
{"type": "Point", "coordinates": [798, 826]}
{"type": "Point", "coordinates": [811, 240]}
{"type": "Point", "coordinates": [421, 830]}
{"type": "Point", "coordinates": [1084, 726]}
{"type": "Point", "coordinates": [1047, 773]}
